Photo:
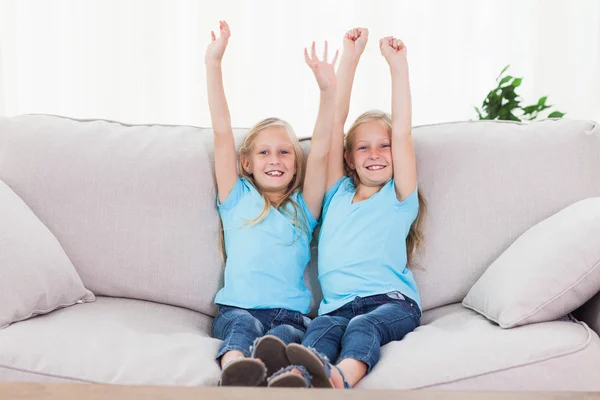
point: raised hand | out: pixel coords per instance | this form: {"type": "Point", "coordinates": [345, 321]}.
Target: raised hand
{"type": "Point", "coordinates": [324, 71]}
{"type": "Point", "coordinates": [355, 41]}
{"type": "Point", "coordinates": [216, 48]}
{"type": "Point", "coordinates": [393, 50]}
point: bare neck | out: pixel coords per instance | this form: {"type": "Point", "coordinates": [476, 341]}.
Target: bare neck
{"type": "Point", "coordinates": [364, 192]}
{"type": "Point", "coordinates": [274, 197]}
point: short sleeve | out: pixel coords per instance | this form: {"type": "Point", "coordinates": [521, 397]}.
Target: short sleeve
{"type": "Point", "coordinates": [234, 197]}
{"type": "Point", "coordinates": [410, 205]}
{"type": "Point", "coordinates": [310, 219]}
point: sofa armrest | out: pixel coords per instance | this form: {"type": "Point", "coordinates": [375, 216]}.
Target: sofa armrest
{"type": "Point", "coordinates": [590, 313]}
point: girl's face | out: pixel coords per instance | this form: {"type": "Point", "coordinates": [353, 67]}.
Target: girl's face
{"type": "Point", "coordinates": [371, 155]}
{"type": "Point", "coordinates": [272, 160]}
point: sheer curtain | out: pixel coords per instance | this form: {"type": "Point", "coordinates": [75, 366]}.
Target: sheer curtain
{"type": "Point", "coordinates": [142, 61]}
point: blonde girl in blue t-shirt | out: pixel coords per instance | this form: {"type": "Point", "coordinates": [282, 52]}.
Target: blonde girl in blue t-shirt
{"type": "Point", "coordinates": [267, 224]}
{"type": "Point", "coordinates": [369, 232]}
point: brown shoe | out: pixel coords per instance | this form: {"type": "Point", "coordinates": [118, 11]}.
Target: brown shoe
{"type": "Point", "coordinates": [272, 352]}
{"type": "Point", "coordinates": [243, 372]}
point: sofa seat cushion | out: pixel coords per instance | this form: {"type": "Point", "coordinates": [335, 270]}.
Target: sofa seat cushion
{"type": "Point", "coordinates": [112, 341]}
{"type": "Point", "coordinates": [455, 344]}
{"type": "Point", "coordinates": [141, 343]}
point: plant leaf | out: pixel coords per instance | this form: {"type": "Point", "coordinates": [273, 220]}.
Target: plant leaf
{"type": "Point", "coordinates": [504, 80]}
{"type": "Point", "coordinates": [556, 114]}
{"type": "Point", "coordinates": [478, 112]}
{"type": "Point", "coordinates": [503, 71]}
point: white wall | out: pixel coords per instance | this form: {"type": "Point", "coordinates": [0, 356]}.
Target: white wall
{"type": "Point", "coordinates": [141, 61]}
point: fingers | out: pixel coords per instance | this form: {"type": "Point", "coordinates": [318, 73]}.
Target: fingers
{"type": "Point", "coordinates": [212, 36]}
{"type": "Point", "coordinates": [312, 60]}
{"type": "Point", "coordinates": [399, 45]}
{"type": "Point", "coordinates": [354, 34]}
{"type": "Point", "coordinates": [385, 41]}
{"type": "Point", "coordinates": [362, 33]}
{"type": "Point", "coordinates": [396, 44]}
{"type": "Point", "coordinates": [307, 58]}
{"type": "Point", "coordinates": [390, 41]}
{"type": "Point", "coordinates": [224, 29]}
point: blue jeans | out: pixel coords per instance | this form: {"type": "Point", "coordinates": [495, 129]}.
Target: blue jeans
{"type": "Point", "coordinates": [359, 328]}
{"type": "Point", "coordinates": [239, 327]}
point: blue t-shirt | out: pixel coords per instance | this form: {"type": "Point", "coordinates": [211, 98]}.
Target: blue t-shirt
{"type": "Point", "coordinates": [266, 261]}
{"type": "Point", "coordinates": [362, 246]}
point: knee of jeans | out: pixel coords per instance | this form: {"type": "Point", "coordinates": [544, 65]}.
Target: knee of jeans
{"type": "Point", "coordinates": [363, 322]}
{"type": "Point", "coordinates": [236, 319]}
{"type": "Point", "coordinates": [287, 333]}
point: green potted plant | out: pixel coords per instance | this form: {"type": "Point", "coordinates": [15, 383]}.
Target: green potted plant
{"type": "Point", "coordinates": [504, 103]}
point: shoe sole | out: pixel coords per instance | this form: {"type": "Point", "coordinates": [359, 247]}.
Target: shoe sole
{"type": "Point", "coordinates": [244, 372]}
{"type": "Point", "coordinates": [272, 352]}
{"type": "Point", "coordinates": [300, 355]}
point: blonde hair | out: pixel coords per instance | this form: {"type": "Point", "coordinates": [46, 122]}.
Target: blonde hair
{"type": "Point", "coordinates": [414, 240]}
{"type": "Point", "coordinates": [300, 223]}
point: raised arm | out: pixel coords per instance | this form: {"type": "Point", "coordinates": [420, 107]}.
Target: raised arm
{"type": "Point", "coordinates": [355, 41]}
{"type": "Point", "coordinates": [403, 152]}
{"type": "Point", "coordinates": [316, 178]}
{"type": "Point", "coordinates": [225, 155]}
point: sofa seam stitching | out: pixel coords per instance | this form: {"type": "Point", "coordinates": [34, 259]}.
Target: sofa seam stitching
{"type": "Point", "coordinates": [540, 360]}
{"type": "Point", "coordinates": [48, 374]}
{"type": "Point", "coordinates": [557, 296]}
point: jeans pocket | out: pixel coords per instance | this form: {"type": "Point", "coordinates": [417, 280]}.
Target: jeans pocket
{"type": "Point", "coordinates": [301, 322]}
{"type": "Point", "coordinates": [221, 313]}
{"type": "Point", "coordinates": [395, 295]}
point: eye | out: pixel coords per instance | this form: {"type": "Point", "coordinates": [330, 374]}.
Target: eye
{"type": "Point", "coordinates": [362, 148]}
{"type": "Point", "coordinates": [264, 152]}
{"type": "Point", "coordinates": [386, 146]}
{"type": "Point", "coordinates": [285, 152]}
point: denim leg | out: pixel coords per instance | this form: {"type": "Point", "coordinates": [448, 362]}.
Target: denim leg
{"type": "Point", "coordinates": [237, 328]}
{"type": "Point", "coordinates": [325, 335]}
{"type": "Point", "coordinates": [366, 333]}
{"type": "Point", "coordinates": [289, 326]}
{"type": "Point", "coordinates": [287, 333]}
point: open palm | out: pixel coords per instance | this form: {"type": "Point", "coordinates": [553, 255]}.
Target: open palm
{"type": "Point", "coordinates": [217, 46]}
{"type": "Point", "coordinates": [324, 71]}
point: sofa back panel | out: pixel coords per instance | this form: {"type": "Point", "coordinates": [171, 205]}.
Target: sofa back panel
{"type": "Point", "coordinates": [487, 183]}
{"type": "Point", "coordinates": [133, 206]}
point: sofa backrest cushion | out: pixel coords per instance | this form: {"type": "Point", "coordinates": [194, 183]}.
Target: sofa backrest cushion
{"type": "Point", "coordinates": [134, 206]}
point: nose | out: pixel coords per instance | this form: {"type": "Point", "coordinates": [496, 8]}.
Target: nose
{"type": "Point", "coordinates": [274, 160]}
{"type": "Point", "coordinates": [375, 153]}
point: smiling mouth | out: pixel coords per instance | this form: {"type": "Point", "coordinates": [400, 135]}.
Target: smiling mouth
{"type": "Point", "coordinates": [376, 167]}
{"type": "Point", "coordinates": [274, 174]}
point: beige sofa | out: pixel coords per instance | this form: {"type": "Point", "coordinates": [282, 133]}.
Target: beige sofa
{"type": "Point", "coordinates": [133, 207]}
